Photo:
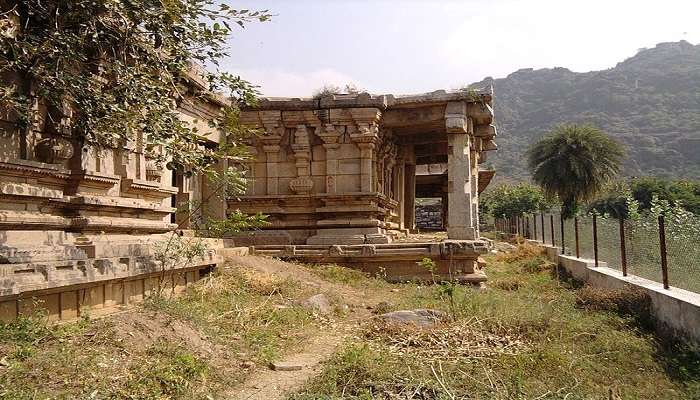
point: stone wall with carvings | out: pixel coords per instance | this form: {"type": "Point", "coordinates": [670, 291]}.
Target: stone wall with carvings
{"type": "Point", "coordinates": [75, 215]}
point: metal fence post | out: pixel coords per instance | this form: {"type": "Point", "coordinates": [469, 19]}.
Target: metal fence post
{"type": "Point", "coordinates": [543, 229]}
{"type": "Point", "coordinates": [578, 250]}
{"type": "Point", "coordinates": [534, 226]}
{"type": "Point", "coordinates": [623, 249]}
{"type": "Point", "coordinates": [551, 227]}
{"type": "Point", "coordinates": [563, 242]}
{"type": "Point", "coordinates": [595, 240]}
{"type": "Point", "coordinates": [662, 244]}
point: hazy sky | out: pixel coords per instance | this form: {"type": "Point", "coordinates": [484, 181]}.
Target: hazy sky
{"type": "Point", "coordinates": [412, 46]}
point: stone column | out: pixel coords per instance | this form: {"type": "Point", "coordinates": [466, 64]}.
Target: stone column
{"type": "Point", "coordinates": [474, 158]}
{"type": "Point", "coordinates": [459, 173]}
{"type": "Point", "coordinates": [213, 195]}
{"type": "Point", "coordinates": [410, 197]}
{"type": "Point", "coordinates": [400, 189]}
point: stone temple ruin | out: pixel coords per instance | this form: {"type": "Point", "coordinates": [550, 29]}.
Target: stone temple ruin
{"type": "Point", "coordinates": [337, 176]}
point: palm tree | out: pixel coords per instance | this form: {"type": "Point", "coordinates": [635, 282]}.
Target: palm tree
{"type": "Point", "coordinates": [573, 162]}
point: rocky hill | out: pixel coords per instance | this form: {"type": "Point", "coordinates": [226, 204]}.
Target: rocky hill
{"type": "Point", "coordinates": [650, 102]}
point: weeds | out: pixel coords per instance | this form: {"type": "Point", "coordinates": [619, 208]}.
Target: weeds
{"type": "Point", "coordinates": [245, 311]}
{"type": "Point", "coordinates": [166, 371]}
{"type": "Point", "coordinates": [528, 336]}
{"type": "Point", "coordinates": [338, 274]}
{"type": "Point", "coordinates": [628, 301]}
{"type": "Point", "coordinates": [524, 251]}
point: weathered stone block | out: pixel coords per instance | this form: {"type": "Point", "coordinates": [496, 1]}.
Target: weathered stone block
{"type": "Point", "coordinates": [349, 167]}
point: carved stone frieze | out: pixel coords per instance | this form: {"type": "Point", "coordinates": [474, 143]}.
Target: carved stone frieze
{"type": "Point", "coordinates": [53, 150]}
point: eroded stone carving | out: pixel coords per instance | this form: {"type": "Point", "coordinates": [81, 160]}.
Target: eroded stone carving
{"type": "Point", "coordinates": [53, 150]}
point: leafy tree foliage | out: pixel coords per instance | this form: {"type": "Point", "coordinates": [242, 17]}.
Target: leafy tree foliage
{"type": "Point", "coordinates": [615, 201]}
{"type": "Point", "coordinates": [118, 67]}
{"type": "Point", "coordinates": [684, 193]}
{"type": "Point", "coordinates": [506, 201]}
{"type": "Point", "coordinates": [573, 162]}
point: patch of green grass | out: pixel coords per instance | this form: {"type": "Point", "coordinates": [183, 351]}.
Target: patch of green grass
{"type": "Point", "coordinates": [238, 311]}
{"type": "Point", "coordinates": [571, 351]}
{"type": "Point", "coordinates": [360, 372]}
{"type": "Point", "coordinates": [166, 371]}
{"type": "Point", "coordinates": [339, 274]}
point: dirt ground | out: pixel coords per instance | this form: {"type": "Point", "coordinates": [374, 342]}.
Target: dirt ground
{"type": "Point", "coordinates": [266, 384]}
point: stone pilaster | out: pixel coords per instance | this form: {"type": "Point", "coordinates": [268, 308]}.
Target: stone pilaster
{"type": "Point", "coordinates": [271, 147]}
{"type": "Point", "coordinates": [302, 154]}
{"type": "Point", "coordinates": [330, 137]}
{"type": "Point", "coordinates": [366, 140]}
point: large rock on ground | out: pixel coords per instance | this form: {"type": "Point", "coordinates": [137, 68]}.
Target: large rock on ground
{"type": "Point", "coordinates": [318, 303]}
{"type": "Point", "coordinates": [423, 318]}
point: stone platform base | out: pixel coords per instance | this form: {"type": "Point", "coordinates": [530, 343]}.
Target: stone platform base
{"type": "Point", "coordinates": [455, 260]}
{"type": "Point", "coordinates": [75, 274]}
{"type": "Point", "coordinates": [66, 303]}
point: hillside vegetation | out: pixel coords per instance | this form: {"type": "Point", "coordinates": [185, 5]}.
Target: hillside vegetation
{"type": "Point", "coordinates": [650, 102]}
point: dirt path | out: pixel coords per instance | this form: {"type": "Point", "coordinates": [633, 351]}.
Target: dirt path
{"type": "Point", "coordinates": [266, 384]}
{"type": "Point", "coordinates": [353, 297]}
{"type": "Point", "coordinates": [269, 384]}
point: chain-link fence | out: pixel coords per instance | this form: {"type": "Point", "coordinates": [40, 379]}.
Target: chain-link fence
{"type": "Point", "coordinates": [661, 249]}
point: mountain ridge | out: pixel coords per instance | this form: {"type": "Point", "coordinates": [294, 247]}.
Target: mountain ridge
{"type": "Point", "coordinates": [650, 102]}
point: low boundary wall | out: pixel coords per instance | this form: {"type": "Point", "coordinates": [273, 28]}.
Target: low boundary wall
{"type": "Point", "coordinates": [675, 309]}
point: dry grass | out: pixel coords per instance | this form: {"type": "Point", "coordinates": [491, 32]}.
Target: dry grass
{"type": "Point", "coordinates": [544, 340]}
{"type": "Point", "coordinates": [630, 301]}
{"type": "Point", "coordinates": [524, 251]}
{"type": "Point", "coordinates": [186, 347]}
{"type": "Point", "coordinates": [509, 283]}
{"type": "Point", "coordinates": [465, 340]}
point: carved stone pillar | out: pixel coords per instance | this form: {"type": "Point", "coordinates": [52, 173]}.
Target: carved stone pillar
{"type": "Point", "coordinates": [302, 155]}
{"type": "Point", "coordinates": [459, 173]}
{"type": "Point", "coordinates": [331, 137]}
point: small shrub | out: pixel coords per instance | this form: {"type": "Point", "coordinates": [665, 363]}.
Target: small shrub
{"type": "Point", "coordinates": [535, 265]}
{"type": "Point", "coordinates": [510, 283]}
{"type": "Point", "coordinates": [167, 371]}
{"type": "Point", "coordinates": [354, 372]}
{"type": "Point", "coordinates": [25, 329]}
{"type": "Point", "coordinates": [524, 251]}
{"type": "Point", "coordinates": [629, 301]}
{"type": "Point", "coordinates": [338, 274]}
{"type": "Point", "coordinates": [382, 308]}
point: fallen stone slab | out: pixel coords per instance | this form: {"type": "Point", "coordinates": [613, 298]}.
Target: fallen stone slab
{"type": "Point", "coordinates": [420, 317]}
{"type": "Point", "coordinates": [285, 366]}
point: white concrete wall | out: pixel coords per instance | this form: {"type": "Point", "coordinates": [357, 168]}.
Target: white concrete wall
{"type": "Point", "coordinates": [673, 308]}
